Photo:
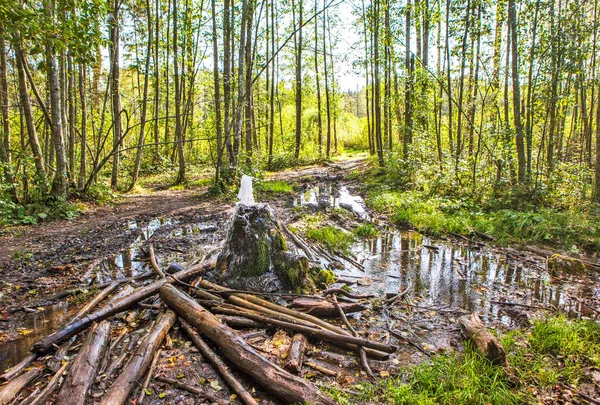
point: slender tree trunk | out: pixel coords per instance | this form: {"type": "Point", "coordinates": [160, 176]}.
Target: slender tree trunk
{"type": "Point", "coordinates": [217, 93]}
{"type": "Point", "coordinates": [530, 87]}
{"type": "Point", "coordinates": [156, 82]}
{"type": "Point", "coordinates": [408, 62]}
{"type": "Point", "coordinates": [82, 98]}
{"type": "Point", "coordinates": [298, 89]}
{"type": "Point", "coordinates": [318, 84]}
{"type": "Point", "coordinates": [377, 81]}
{"type": "Point", "coordinates": [115, 92]}
{"type": "Point", "coordinates": [327, 98]}
{"type": "Point", "coordinates": [59, 184]}
{"type": "Point", "coordinates": [273, 84]}
{"type": "Point", "coordinates": [512, 16]}
{"type": "Point", "coordinates": [5, 153]}
{"type": "Point", "coordinates": [461, 86]}
{"type": "Point", "coordinates": [142, 135]}
{"type": "Point", "coordinates": [178, 129]}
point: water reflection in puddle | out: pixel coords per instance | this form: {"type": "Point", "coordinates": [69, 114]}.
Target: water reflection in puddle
{"type": "Point", "coordinates": [443, 275]}
{"type": "Point", "coordinates": [334, 197]}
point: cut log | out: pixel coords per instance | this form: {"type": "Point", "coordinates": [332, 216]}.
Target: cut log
{"type": "Point", "coordinates": [473, 329]}
{"type": "Point", "coordinates": [139, 363]}
{"type": "Point", "coordinates": [309, 331]}
{"type": "Point", "coordinates": [295, 355]}
{"type": "Point", "coordinates": [221, 367]}
{"type": "Point", "coordinates": [84, 369]}
{"type": "Point", "coordinates": [12, 389]}
{"type": "Point", "coordinates": [139, 294]}
{"type": "Point", "coordinates": [96, 300]}
{"type": "Point", "coordinates": [287, 387]}
{"type": "Point", "coordinates": [19, 367]}
{"type": "Point", "coordinates": [324, 308]}
{"type": "Point", "coordinates": [41, 397]}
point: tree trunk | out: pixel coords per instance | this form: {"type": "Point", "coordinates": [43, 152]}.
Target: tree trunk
{"type": "Point", "coordinates": [298, 87]}
{"type": "Point", "coordinates": [83, 147]}
{"type": "Point", "coordinates": [5, 155]}
{"type": "Point", "coordinates": [12, 389]}
{"type": "Point", "coordinates": [217, 93]}
{"type": "Point", "coordinates": [516, 90]}
{"type": "Point", "coordinates": [114, 53]}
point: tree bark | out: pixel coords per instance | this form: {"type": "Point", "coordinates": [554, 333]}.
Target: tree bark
{"type": "Point", "coordinates": [12, 389]}
{"type": "Point", "coordinates": [5, 155]}
{"type": "Point", "coordinates": [85, 367]}
{"type": "Point", "coordinates": [295, 355]}
{"type": "Point", "coordinates": [115, 89]}
{"type": "Point", "coordinates": [516, 90]}
{"type": "Point", "coordinates": [287, 387]}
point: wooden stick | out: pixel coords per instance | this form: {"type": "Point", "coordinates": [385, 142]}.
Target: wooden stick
{"type": "Point", "coordinates": [12, 389]}
{"type": "Point", "coordinates": [285, 386]}
{"type": "Point", "coordinates": [139, 294]}
{"type": "Point", "coordinates": [361, 350]}
{"type": "Point", "coordinates": [321, 369]}
{"type": "Point", "coordinates": [153, 262]}
{"type": "Point", "coordinates": [313, 332]}
{"type": "Point", "coordinates": [84, 369]}
{"type": "Point", "coordinates": [144, 386]}
{"type": "Point", "coordinates": [193, 390]}
{"type": "Point", "coordinates": [219, 365]}
{"type": "Point", "coordinates": [96, 300]}
{"type": "Point", "coordinates": [44, 395]}
{"type": "Point", "coordinates": [139, 363]}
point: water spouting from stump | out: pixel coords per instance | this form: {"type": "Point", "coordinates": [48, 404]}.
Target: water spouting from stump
{"type": "Point", "coordinates": [246, 195]}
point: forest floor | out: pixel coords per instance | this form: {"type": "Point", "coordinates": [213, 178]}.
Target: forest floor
{"type": "Point", "coordinates": [446, 278]}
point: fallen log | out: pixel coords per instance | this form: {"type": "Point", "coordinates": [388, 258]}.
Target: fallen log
{"type": "Point", "coordinates": [139, 294]}
{"type": "Point", "coordinates": [473, 329]}
{"type": "Point", "coordinates": [335, 290]}
{"type": "Point", "coordinates": [238, 322]}
{"type": "Point", "coordinates": [41, 397]}
{"type": "Point", "coordinates": [96, 300]}
{"type": "Point", "coordinates": [140, 361]}
{"type": "Point", "coordinates": [321, 369]}
{"type": "Point", "coordinates": [19, 367]}
{"type": "Point", "coordinates": [153, 261]}
{"type": "Point", "coordinates": [192, 390]}
{"type": "Point", "coordinates": [219, 365]}
{"type": "Point", "coordinates": [295, 355]}
{"type": "Point", "coordinates": [287, 387]}
{"type": "Point", "coordinates": [323, 308]}
{"type": "Point", "coordinates": [12, 389]}
{"type": "Point", "coordinates": [309, 331]}
{"type": "Point", "coordinates": [256, 303]}
{"type": "Point", "coordinates": [85, 366]}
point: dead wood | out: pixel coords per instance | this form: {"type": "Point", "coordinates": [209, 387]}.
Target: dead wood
{"type": "Point", "coordinates": [473, 329]}
{"type": "Point", "coordinates": [341, 291]}
{"type": "Point", "coordinates": [56, 361]}
{"type": "Point", "coordinates": [238, 322]}
{"type": "Point", "coordinates": [361, 350]}
{"type": "Point", "coordinates": [14, 386]}
{"type": "Point", "coordinates": [219, 365]}
{"type": "Point", "coordinates": [285, 386]}
{"type": "Point", "coordinates": [19, 367]}
{"type": "Point", "coordinates": [140, 361]}
{"type": "Point", "coordinates": [298, 241]}
{"type": "Point", "coordinates": [139, 294]}
{"type": "Point", "coordinates": [321, 369]}
{"type": "Point", "coordinates": [295, 355]}
{"type": "Point", "coordinates": [310, 331]}
{"type": "Point", "coordinates": [96, 300]}
{"type": "Point", "coordinates": [41, 397]}
{"type": "Point", "coordinates": [192, 390]}
{"type": "Point", "coordinates": [142, 396]}
{"type": "Point", "coordinates": [153, 261]}
{"type": "Point", "coordinates": [85, 366]}
{"type": "Point", "coordinates": [323, 308]}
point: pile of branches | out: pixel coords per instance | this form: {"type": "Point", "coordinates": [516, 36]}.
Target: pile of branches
{"type": "Point", "coordinates": [206, 312]}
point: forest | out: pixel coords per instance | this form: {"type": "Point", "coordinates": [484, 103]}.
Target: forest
{"type": "Point", "coordinates": [328, 201]}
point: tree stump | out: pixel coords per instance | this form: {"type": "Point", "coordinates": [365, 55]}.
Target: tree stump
{"type": "Point", "coordinates": [473, 329]}
{"type": "Point", "coordinates": [255, 255]}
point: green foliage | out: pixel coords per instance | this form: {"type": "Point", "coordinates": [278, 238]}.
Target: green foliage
{"type": "Point", "coordinates": [334, 238]}
{"type": "Point", "coordinates": [555, 350]}
{"type": "Point", "coordinates": [366, 230]}
{"type": "Point", "coordinates": [275, 187]}
{"type": "Point", "coordinates": [32, 213]}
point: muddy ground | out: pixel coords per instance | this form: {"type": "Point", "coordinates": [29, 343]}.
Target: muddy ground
{"type": "Point", "coordinates": [442, 278]}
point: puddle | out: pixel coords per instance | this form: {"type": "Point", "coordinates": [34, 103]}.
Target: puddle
{"type": "Point", "coordinates": [442, 275]}
{"type": "Point", "coordinates": [334, 197]}
{"type": "Point", "coordinates": [33, 327]}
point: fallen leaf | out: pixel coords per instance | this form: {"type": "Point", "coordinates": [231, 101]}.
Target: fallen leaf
{"type": "Point", "coordinates": [215, 385]}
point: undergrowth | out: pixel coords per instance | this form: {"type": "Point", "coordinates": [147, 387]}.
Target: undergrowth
{"type": "Point", "coordinates": [554, 351]}
{"type": "Point", "coordinates": [275, 187]}
{"type": "Point", "coordinates": [334, 238]}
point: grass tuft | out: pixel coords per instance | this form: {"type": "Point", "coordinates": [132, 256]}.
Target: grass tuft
{"type": "Point", "coordinates": [334, 238]}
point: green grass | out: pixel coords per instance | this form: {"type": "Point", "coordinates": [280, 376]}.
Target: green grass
{"type": "Point", "coordinates": [555, 350]}
{"type": "Point", "coordinates": [571, 230]}
{"type": "Point", "coordinates": [366, 230]}
{"type": "Point", "coordinates": [275, 187]}
{"type": "Point", "coordinates": [334, 238]}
